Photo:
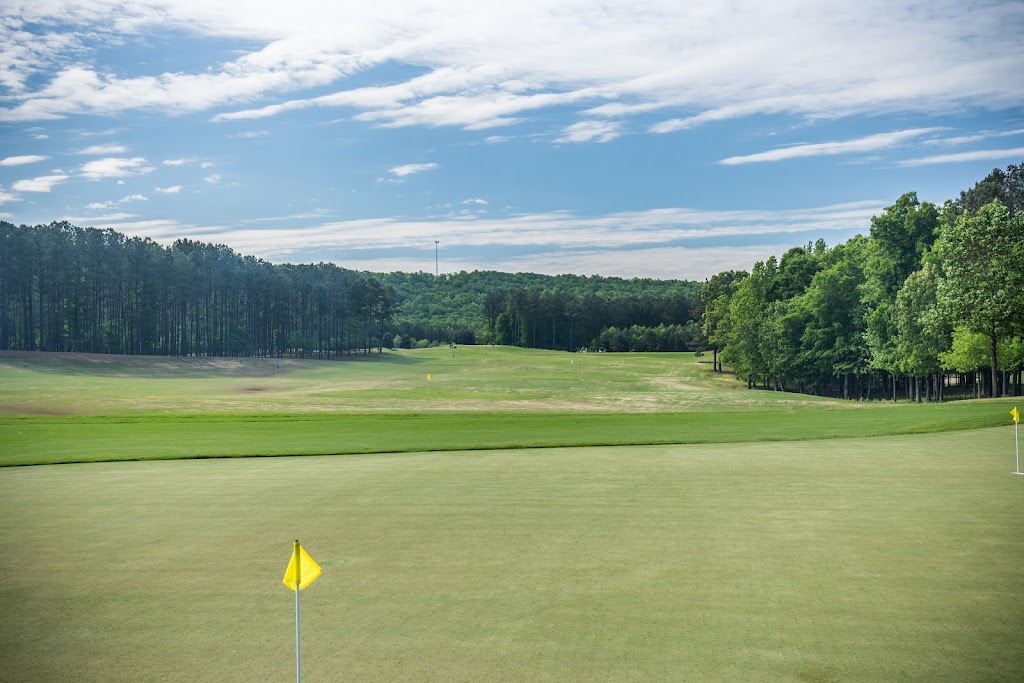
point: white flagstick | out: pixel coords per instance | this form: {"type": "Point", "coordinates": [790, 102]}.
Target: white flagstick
{"type": "Point", "coordinates": [1016, 444]}
{"type": "Point", "coordinates": [298, 589]}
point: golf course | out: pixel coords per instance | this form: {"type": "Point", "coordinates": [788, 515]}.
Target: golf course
{"type": "Point", "coordinates": [493, 513]}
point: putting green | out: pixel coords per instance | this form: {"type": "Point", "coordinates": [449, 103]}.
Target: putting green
{"type": "Point", "coordinates": [888, 558]}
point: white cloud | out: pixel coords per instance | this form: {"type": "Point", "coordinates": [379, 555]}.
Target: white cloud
{"type": "Point", "coordinates": [652, 229]}
{"type": "Point", "coordinates": [253, 134]}
{"type": "Point", "coordinates": [24, 53]}
{"type": "Point", "coordinates": [315, 213]}
{"type": "Point", "coordinates": [96, 206]}
{"type": "Point", "coordinates": [92, 133]}
{"type": "Point", "coordinates": [409, 169]}
{"type": "Point", "coordinates": [690, 263]}
{"type": "Point", "coordinates": [94, 220]}
{"type": "Point", "coordinates": [591, 131]}
{"type": "Point", "coordinates": [1017, 154]}
{"type": "Point", "coordinates": [115, 167]}
{"type": "Point", "coordinates": [669, 263]}
{"type": "Point", "coordinates": [22, 160]}
{"type": "Point", "coordinates": [477, 201]}
{"type": "Point", "coordinates": [173, 189]}
{"type": "Point", "coordinates": [213, 179]}
{"type": "Point", "coordinates": [40, 184]}
{"type": "Point", "coordinates": [132, 198]}
{"type": "Point", "coordinates": [696, 63]}
{"type": "Point", "coordinates": [104, 149]}
{"type": "Point", "coordinates": [206, 164]}
{"type": "Point", "coordinates": [164, 230]}
{"type": "Point", "coordinates": [976, 137]}
{"type": "Point", "coordinates": [869, 143]}
{"type": "Point", "coordinates": [175, 162]}
{"type": "Point", "coordinates": [6, 196]}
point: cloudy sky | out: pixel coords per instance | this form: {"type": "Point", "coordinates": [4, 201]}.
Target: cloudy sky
{"type": "Point", "coordinates": [635, 138]}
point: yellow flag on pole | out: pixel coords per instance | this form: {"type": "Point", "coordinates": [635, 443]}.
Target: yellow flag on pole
{"type": "Point", "coordinates": [302, 570]}
{"type": "Point", "coordinates": [429, 378]}
{"type": "Point", "coordinates": [1015, 414]}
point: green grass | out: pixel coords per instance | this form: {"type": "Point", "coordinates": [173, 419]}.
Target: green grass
{"type": "Point", "coordinates": [39, 440]}
{"type": "Point", "coordinates": [894, 558]}
{"type": "Point", "coordinates": [473, 378]}
{"type": "Point", "coordinates": [765, 537]}
{"type": "Point", "coordinates": [58, 408]}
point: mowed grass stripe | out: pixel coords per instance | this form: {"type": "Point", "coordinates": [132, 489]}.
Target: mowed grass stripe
{"type": "Point", "coordinates": [41, 440]}
{"type": "Point", "coordinates": [874, 559]}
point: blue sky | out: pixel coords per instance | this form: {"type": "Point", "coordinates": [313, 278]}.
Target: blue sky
{"type": "Point", "coordinates": [639, 139]}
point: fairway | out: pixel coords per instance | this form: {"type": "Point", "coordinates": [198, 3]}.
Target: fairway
{"type": "Point", "coordinates": [890, 558]}
{"type": "Point", "coordinates": [79, 408]}
{"type": "Point", "coordinates": [468, 379]}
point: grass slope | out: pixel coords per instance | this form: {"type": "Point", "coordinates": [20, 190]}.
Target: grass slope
{"type": "Point", "coordinates": [28, 441]}
{"type": "Point", "coordinates": [471, 378]}
{"type": "Point", "coordinates": [891, 558]}
{"type": "Point", "coordinates": [72, 408]}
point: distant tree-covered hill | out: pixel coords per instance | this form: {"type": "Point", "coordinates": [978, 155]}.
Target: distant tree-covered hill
{"type": "Point", "coordinates": [527, 309]}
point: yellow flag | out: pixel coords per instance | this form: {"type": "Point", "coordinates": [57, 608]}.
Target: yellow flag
{"type": "Point", "coordinates": [1015, 414]}
{"type": "Point", "coordinates": [429, 378]}
{"type": "Point", "coordinates": [302, 570]}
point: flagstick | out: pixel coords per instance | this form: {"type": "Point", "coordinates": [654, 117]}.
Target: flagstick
{"type": "Point", "coordinates": [298, 583]}
{"type": "Point", "coordinates": [1016, 444]}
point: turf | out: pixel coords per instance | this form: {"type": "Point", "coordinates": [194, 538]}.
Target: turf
{"type": "Point", "coordinates": [57, 408]}
{"type": "Point", "coordinates": [890, 558]}
{"type": "Point", "coordinates": [48, 440]}
{"type": "Point", "coordinates": [472, 378]}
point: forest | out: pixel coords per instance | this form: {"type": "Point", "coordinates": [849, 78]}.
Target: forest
{"type": "Point", "coordinates": [932, 298]}
{"type": "Point", "coordinates": [930, 301]}
{"type": "Point", "coordinates": [64, 288]}
{"type": "Point", "coordinates": [563, 312]}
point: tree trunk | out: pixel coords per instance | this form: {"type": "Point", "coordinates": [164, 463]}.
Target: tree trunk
{"type": "Point", "coordinates": [992, 347]}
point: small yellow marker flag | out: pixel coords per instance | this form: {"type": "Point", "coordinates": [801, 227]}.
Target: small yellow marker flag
{"type": "Point", "coordinates": [429, 378]}
{"type": "Point", "coordinates": [1015, 414]}
{"type": "Point", "coordinates": [302, 570]}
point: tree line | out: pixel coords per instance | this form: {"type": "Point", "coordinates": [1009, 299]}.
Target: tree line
{"type": "Point", "coordinates": [65, 288]}
{"type": "Point", "coordinates": [932, 298]}
{"type": "Point", "coordinates": [531, 310]}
